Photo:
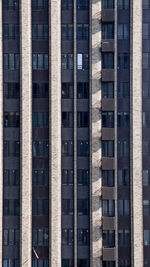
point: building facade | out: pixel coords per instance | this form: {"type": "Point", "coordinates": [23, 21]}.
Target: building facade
{"type": "Point", "coordinates": [74, 133]}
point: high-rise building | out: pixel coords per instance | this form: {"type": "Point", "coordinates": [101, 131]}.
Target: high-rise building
{"type": "Point", "coordinates": [75, 133]}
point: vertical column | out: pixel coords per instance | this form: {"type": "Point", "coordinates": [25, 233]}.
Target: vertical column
{"type": "Point", "coordinates": [26, 133]}
{"type": "Point", "coordinates": [136, 133]}
{"type": "Point", "coordinates": [1, 134]}
{"type": "Point", "coordinates": [55, 133]}
{"type": "Point", "coordinates": [95, 134]}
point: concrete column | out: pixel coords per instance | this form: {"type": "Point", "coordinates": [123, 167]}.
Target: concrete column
{"type": "Point", "coordinates": [55, 132]}
{"type": "Point", "coordinates": [26, 134]}
{"type": "Point", "coordinates": [136, 134]}
{"type": "Point", "coordinates": [1, 134]}
{"type": "Point", "coordinates": [95, 134]}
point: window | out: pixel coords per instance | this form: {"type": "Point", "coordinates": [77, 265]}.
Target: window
{"type": "Point", "coordinates": [83, 263]}
{"type": "Point", "coordinates": [40, 119]}
{"type": "Point", "coordinates": [40, 263]}
{"type": "Point", "coordinates": [67, 119]}
{"type": "Point", "coordinates": [10, 31]}
{"type": "Point", "coordinates": [124, 237]}
{"type": "Point", "coordinates": [146, 237]}
{"type": "Point", "coordinates": [123, 148]}
{"type": "Point", "coordinates": [83, 237]}
{"type": "Point", "coordinates": [40, 32]}
{"type": "Point", "coordinates": [108, 238]}
{"type": "Point", "coordinates": [11, 4]}
{"type": "Point", "coordinates": [10, 237]}
{"type": "Point", "coordinates": [11, 119]}
{"type": "Point", "coordinates": [146, 148]}
{"type": "Point", "coordinates": [11, 90]}
{"type": "Point", "coordinates": [67, 237]}
{"type": "Point", "coordinates": [124, 263]}
{"type": "Point", "coordinates": [66, 4]}
{"type": "Point", "coordinates": [107, 30]}
{"type": "Point", "coordinates": [145, 119]}
{"type": "Point", "coordinates": [11, 61]}
{"type": "Point", "coordinates": [67, 148]}
{"type": "Point", "coordinates": [107, 178]}
{"type": "Point", "coordinates": [11, 263]}
{"type": "Point", "coordinates": [82, 119]}
{"type": "Point", "coordinates": [145, 177]}
{"type": "Point", "coordinates": [145, 60]}
{"type": "Point", "coordinates": [123, 60]}
{"type": "Point", "coordinates": [107, 148]}
{"type": "Point", "coordinates": [146, 90]}
{"type": "Point", "coordinates": [67, 61]}
{"type": "Point", "coordinates": [107, 90]}
{"type": "Point", "coordinates": [40, 148]}
{"type": "Point", "coordinates": [40, 207]}
{"type": "Point", "coordinates": [67, 31]}
{"type": "Point", "coordinates": [123, 90]}
{"type": "Point", "coordinates": [108, 208]}
{"type": "Point", "coordinates": [107, 60]}
{"type": "Point", "coordinates": [40, 90]}
{"type": "Point", "coordinates": [123, 119]}
{"type": "Point", "coordinates": [123, 4]}
{"type": "Point", "coordinates": [39, 4]}
{"type": "Point", "coordinates": [107, 3]}
{"type": "Point", "coordinates": [40, 177]}
{"type": "Point", "coordinates": [123, 177]}
{"type": "Point", "coordinates": [108, 263]}
{"type": "Point", "coordinates": [11, 148]}
{"type": "Point", "coordinates": [83, 177]}
{"type": "Point", "coordinates": [11, 177]}
{"type": "Point", "coordinates": [123, 31]}
{"type": "Point", "coordinates": [82, 61]}
{"type": "Point", "coordinates": [11, 207]}
{"type": "Point", "coordinates": [83, 207]}
{"type": "Point", "coordinates": [67, 177]}
{"type": "Point", "coordinates": [146, 4]}
{"type": "Point", "coordinates": [123, 208]}
{"type": "Point", "coordinates": [145, 31]}
{"type": "Point", "coordinates": [82, 90]}
{"type": "Point", "coordinates": [146, 207]}
{"type": "Point", "coordinates": [67, 90]}
{"type": "Point", "coordinates": [83, 148]}
{"type": "Point", "coordinates": [108, 119]}
{"type": "Point", "coordinates": [82, 4]}
{"type": "Point", "coordinates": [67, 206]}
{"type": "Point", "coordinates": [67, 263]}
{"type": "Point", "coordinates": [82, 32]}
{"type": "Point", "coordinates": [40, 237]}
{"type": "Point", "coordinates": [40, 61]}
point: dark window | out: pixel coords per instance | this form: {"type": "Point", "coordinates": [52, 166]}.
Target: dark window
{"type": "Point", "coordinates": [146, 237]}
{"type": "Point", "coordinates": [82, 31]}
{"type": "Point", "coordinates": [67, 177]}
{"type": "Point", "coordinates": [145, 31]}
{"type": "Point", "coordinates": [67, 61]}
{"type": "Point", "coordinates": [67, 90]}
{"type": "Point", "coordinates": [146, 207]}
{"type": "Point", "coordinates": [83, 237]}
{"type": "Point", "coordinates": [107, 89]}
{"type": "Point", "coordinates": [40, 263]}
{"type": "Point", "coordinates": [107, 148]}
{"type": "Point", "coordinates": [10, 237]}
{"type": "Point", "coordinates": [123, 31]}
{"type": "Point", "coordinates": [11, 119]}
{"type": "Point", "coordinates": [11, 207]}
{"type": "Point", "coordinates": [145, 177]}
{"type": "Point", "coordinates": [11, 4]}
{"type": "Point", "coordinates": [108, 238]}
{"type": "Point", "coordinates": [11, 263]}
{"type": "Point", "coordinates": [11, 148]}
{"type": "Point", "coordinates": [40, 90]}
{"type": "Point", "coordinates": [11, 31]}
{"type": "Point", "coordinates": [107, 60]}
{"type": "Point", "coordinates": [123, 89]}
{"type": "Point", "coordinates": [123, 177]}
{"type": "Point", "coordinates": [124, 263]}
{"type": "Point", "coordinates": [11, 90]}
{"type": "Point", "coordinates": [83, 263]}
{"type": "Point", "coordinates": [107, 3]}
{"type": "Point", "coordinates": [83, 177]}
{"type": "Point", "coordinates": [107, 177]}
{"type": "Point", "coordinates": [67, 237]}
{"type": "Point", "coordinates": [67, 148]}
{"type": "Point", "coordinates": [40, 148]}
{"type": "Point", "coordinates": [82, 4]}
{"type": "Point", "coordinates": [11, 177]}
{"type": "Point", "coordinates": [83, 207]}
{"type": "Point", "coordinates": [39, 31]}
{"type": "Point", "coordinates": [108, 119]}
{"type": "Point", "coordinates": [67, 119]}
{"type": "Point", "coordinates": [83, 148]}
{"type": "Point", "coordinates": [11, 61]}
{"type": "Point", "coordinates": [67, 263]}
{"type": "Point", "coordinates": [40, 177]}
{"type": "Point", "coordinates": [123, 4]}
{"type": "Point", "coordinates": [123, 148]}
{"type": "Point", "coordinates": [107, 30]}
{"type": "Point", "coordinates": [40, 119]}
{"type": "Point", "coordinates": [40, 61]}
{"type": "Point", "coordinates": [82, 119]}
{"type": "Point", "coordinates": [146, 148]}
{"type": "Point", "coordinates": [67, 31]}
{"type": "Point", "coordinates": [108, 263]}
{"type": "Point", "coordinates": [108, 208]}
{"type": "Point", "coordinates": [123, 60]}
{"type": "Point", "coordinates": [39, 4]}
{"type": "Point", "coordinates": [40, 207]}
{"type": "Point", "coordinates": [123, 119]}
{"type": "Point", "coordinates": [67, 207]}
{"type": "Point", "coordinates": [40, 237]}
{"type": "Point", "coordinates": [123, 208]}
{"type": "Point", "coordinates": [66, 4]}
{"type": "Point", "coordinates": [124, 237]}
{"type": "Point", "coordinates": [82, 90]}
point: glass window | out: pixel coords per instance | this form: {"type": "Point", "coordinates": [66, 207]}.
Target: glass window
{"type": "Point", "coordinates": [145, 177]}
{"type": "Point", "coordinates": [146, 237]}
{"type": "Point", "coordinates": [145, 31]}
{"type": "Point", "coordinates": [145, 60]}
{"type": "Point", "coordinates": [107, 3]}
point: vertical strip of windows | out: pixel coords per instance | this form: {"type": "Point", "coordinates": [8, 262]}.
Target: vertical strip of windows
{"type": "Point", "coordinates": [40, 133]}
{"type": "Point", "coordinates": [11, 135]}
